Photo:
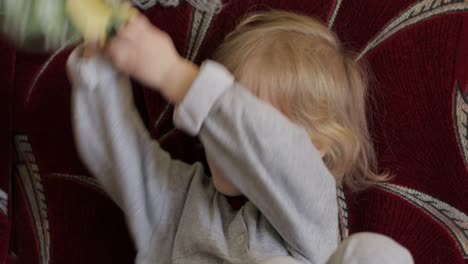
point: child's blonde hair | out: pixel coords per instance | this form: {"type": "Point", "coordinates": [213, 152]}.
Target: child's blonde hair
{"type": "Point", "coordinates": [298, 65]}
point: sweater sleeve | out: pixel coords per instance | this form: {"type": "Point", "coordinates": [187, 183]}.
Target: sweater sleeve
{"type": "Point", "coordinates": [114, 144]}
{"type": "Point", "coordinates": [271, 160]}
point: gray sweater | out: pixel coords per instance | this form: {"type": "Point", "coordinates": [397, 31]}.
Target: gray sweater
{"type": "Point", "coordinates": [174, 213]}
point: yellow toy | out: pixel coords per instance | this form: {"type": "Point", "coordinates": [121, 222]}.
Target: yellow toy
{"type": "Point", "coordinates": [46, 25]}
{"type": "Point", "coordinates": [97, 19]}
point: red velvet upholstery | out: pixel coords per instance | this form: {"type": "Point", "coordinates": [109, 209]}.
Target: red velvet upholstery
{"type": "Point", "coordinates": [417, 51]}
{"type": "Point", "coordinates": [6, 94]}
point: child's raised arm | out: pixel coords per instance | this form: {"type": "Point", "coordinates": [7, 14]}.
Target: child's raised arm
{"type": "Point", "coordinates": [112, 141]}
{"type": "Point", "coordinates": [268, 158]}
{"type": "Point", "coordinates": [148, 54]}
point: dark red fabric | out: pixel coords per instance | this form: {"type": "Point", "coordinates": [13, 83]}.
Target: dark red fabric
{"type": "Point", "coordinates": [414, 109]}
{"type": "Point", "coordinates": [85, 226]}
{"type": "Point", "coordinates": [23, 247]}
{"type": "Point", "coordinates": [6, 112]}
{"type": "Point", "coordinates": [461, 64]}
{"type": "Point", "coordinates": [43, 111]}
{"type": "Point", "coordinates": [5, 237]}
{"type": "Point", "coordinates": [381, 212]}
{"type": "Point", "coordinates": [358, 21]}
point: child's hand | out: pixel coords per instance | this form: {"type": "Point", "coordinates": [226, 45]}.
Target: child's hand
{"type": "Point", "coordinates": [148, 54]}
{"type": "Point", "coordinates": [143, 51]}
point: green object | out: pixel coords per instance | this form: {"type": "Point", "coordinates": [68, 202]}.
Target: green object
{"type": "Point", "coordinates": [38, 25]}
{"type": "Point", "coordinates": [47, 25]}
{"type": "Point", "coordinates": [95, 19]}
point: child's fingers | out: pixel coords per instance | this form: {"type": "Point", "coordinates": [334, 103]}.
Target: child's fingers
{"type": "Point", "coordinates": [118, 50]}
{"type": "Point", "coordinates": [130, 31]}
{"type": "Point", "coordinates": [138, 27]}
{"type": "Point", "coordinates": [127, 33]}
{"type": "Point", "coordinates": [139, 23]}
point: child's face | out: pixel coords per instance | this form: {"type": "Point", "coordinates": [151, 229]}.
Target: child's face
{"type": "Point", "coordinates": [220, 182]}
